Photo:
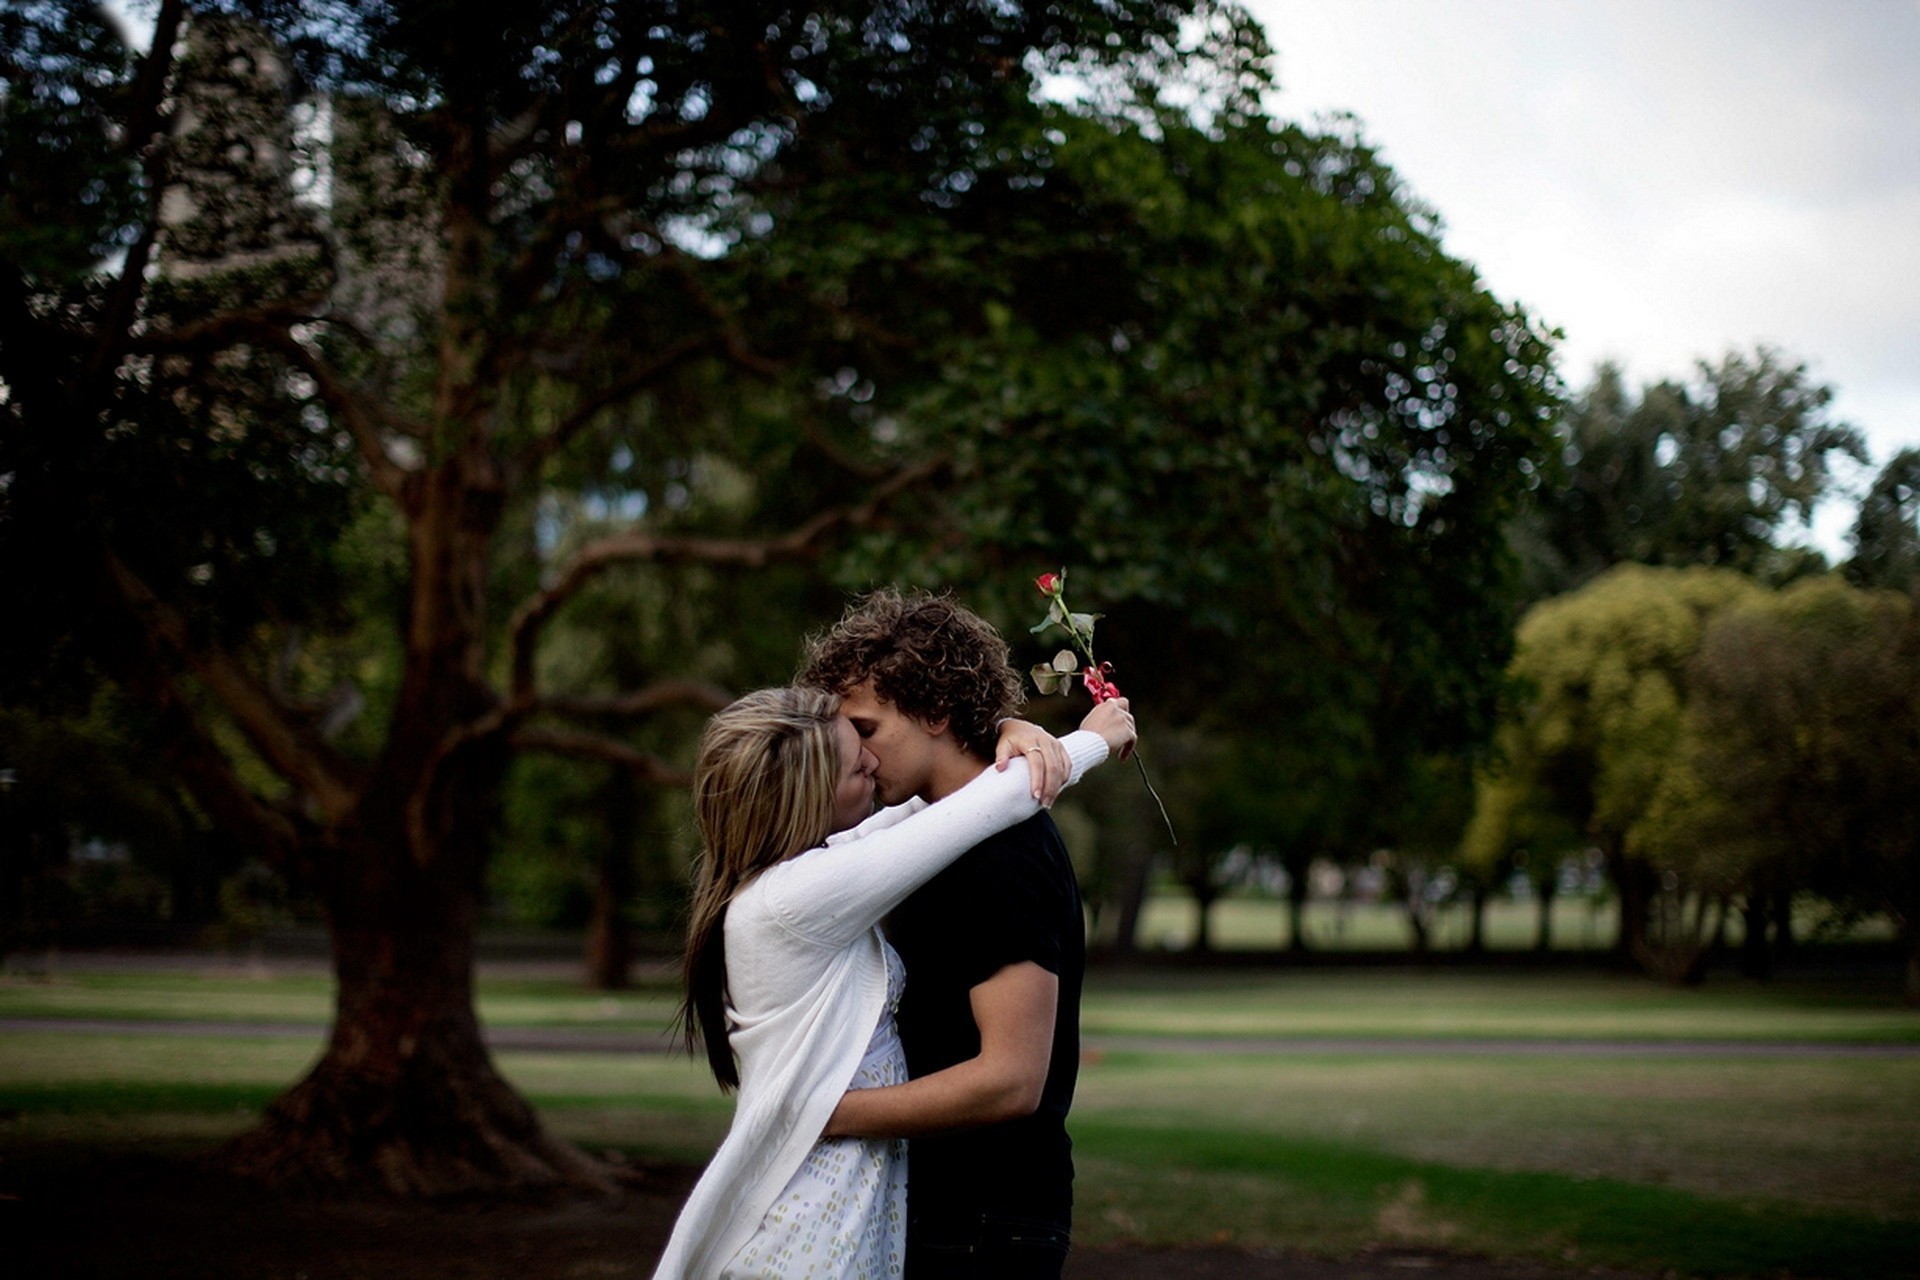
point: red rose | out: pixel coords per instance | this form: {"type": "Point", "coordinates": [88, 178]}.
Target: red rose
{"type": "Point", "coordinates": [1049, 584]}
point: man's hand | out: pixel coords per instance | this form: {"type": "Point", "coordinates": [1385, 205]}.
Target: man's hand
{"type": "Point", "coordinates": [1113, 721]}
{"type": "Point", "coordinates": [1015, 1011]}
{"type": "Point", "coordinates": [1047, 761]}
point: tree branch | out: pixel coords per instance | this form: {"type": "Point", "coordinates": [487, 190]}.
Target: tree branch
{"type": "Point", "coordinates": [208, 774]}
{"type": "Point", "coordinates": [701, 694]}
{"type": "Point", "coordinates": [633, 384]}
{"type": "Point", "coordinates": [147, 139]}
{"type": "Point", "coordinates": [269, 327]}
{"type": "Point", "coordinates": [364, 419]}
{"type": "Point", "coordinates": [598, 556]}
{"type": "Point", "coordinates": [644, 765]}
{"type": "Point", "coordinates": [264, 324]}
{"type": "Point", "coordinates": [297, 752]}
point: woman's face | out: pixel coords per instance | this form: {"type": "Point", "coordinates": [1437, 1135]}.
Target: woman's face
{"type": "Point", "coordinates": [853, 790]}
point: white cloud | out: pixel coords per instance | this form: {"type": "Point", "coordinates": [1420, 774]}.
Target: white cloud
{"type": "Point", "coordinates": [1662, 179]}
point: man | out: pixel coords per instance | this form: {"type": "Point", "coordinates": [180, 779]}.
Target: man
{"type": "Point", "coordinates": [994, 947]}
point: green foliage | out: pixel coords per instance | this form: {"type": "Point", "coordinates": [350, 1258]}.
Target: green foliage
{"type": "Point", "coordinates": [1597, 734]}
{"type": "Point", "coordinates": [591, 270]}
{"type": "Point", "coordinates": [1598, 741]}
{"type": "Point", "coordinates": [1807, 729]}
{"type": "Point", "coordinates": [1732, 740]}
{"type": "Point", "coordinates": [1701, 472]}
{"type": "Point", "coordinates": [1886, 533]}
{"type": "Point", "coordinates": [68, 191]}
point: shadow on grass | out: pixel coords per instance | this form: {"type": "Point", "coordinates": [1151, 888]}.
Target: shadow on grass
{"type": "Point", "coordinates": [1366, 1194]}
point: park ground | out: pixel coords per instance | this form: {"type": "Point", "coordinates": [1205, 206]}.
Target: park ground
{"type": "Point", "coordinates": [1324, 1125]}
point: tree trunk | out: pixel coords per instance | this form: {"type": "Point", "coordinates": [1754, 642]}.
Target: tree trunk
{"type": "Point", "coordinates": [1913, 968]}
{"type": "Point", "coordinates": [1420, 912]}
{"type": "Point", "coordinates": [1299, 884]}
{"type": "Point", "coordinates": [1756, 957]}
{"type": "Point", "coordinates": [1545, 890]}
{"type": "Point", "coordinates": [1135, 878]}
{"type": "Point", "coordinates": [609, 932]}
{"type": "Point", "coordinates": [1204, 896]}
{"type": "Point", "coordinates": [1418, 927]}
{"type": "Point", "coordinates": [1783, 939]}
{"type": "Point", "coordinates": [1477, 919]}
{"type": "Point", "coordinates": [406, 1097]}
{"type": "Point", "coordinates": [1633, 882]}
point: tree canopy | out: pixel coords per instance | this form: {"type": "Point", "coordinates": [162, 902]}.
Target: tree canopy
{"type": "Point", "coordinates": [355, 354]}
{"type": "Point", "coordinates": [1707, 471]}
{"type": "Point", "coordinates": [1719, 741]}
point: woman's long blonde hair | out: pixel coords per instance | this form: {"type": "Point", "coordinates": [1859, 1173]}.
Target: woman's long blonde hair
{"type": "Point", "coordinates": [763, 790]}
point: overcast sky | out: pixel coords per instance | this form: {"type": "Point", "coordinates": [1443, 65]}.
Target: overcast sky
{"type": "Point", "coordinates": [1661, 179]}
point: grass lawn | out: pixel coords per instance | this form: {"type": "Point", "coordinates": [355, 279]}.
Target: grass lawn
{"type": "Point", "coordinates": [1169, 922]}
{"type": "Point", "coordinates": [232, 994]}
{"type": "Point", "coordinates": [1452, 1004]}
{"type": "Point", "coordinates": [1712, 1164]}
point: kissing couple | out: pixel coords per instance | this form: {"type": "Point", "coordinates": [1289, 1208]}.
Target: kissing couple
{"type": "Point", "coordinates": [956, 1024]}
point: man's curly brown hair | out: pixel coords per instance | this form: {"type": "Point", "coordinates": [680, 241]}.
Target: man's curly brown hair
{"type": "Point", "coordinates": [930, 657]}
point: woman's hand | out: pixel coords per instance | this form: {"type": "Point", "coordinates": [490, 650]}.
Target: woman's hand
{"type": "Point", "coordinates": [1113, 721]}
{"type": "Point", "coordinates": [1047, 763]}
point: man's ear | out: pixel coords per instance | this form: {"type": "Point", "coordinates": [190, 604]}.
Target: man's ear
{"type": "Point", "coordinates": [935, 728]}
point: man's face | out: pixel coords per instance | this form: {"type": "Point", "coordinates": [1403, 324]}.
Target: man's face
{"type": "Point", "coordinates": [906, 748]}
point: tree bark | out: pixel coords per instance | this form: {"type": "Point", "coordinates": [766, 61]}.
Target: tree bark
{"type": "Point", "coordinates": [1135, 879]}
{"type": "Point", "coordinates": [1756, 957]}
{"type": "Point", "coordinates": [609, 932]}
{"type": "Point", "coordinates": [1633, 881]}
{"type": "Point", "coordinates": [1913, 969]}
{"type": "Point", "coordinates": [405, 1097]}
{"type": "Point", "coordinates": [1545, 890]}
{"type": "Point", "coordinates": [1204, 896]}
{"type": "Point", "coordinates": [1299, 884]}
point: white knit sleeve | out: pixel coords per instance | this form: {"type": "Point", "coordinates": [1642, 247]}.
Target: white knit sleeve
{"type": "Point", "coordinates": [834, 894]}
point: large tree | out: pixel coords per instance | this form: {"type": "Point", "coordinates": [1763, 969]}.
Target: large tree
{"type": "Point", "coordinates": [1705, 471]}
{"type": "Point", "coordinates": [433, 319]}
{"type": "Point", "coordinates": [1886, 532]}
{"type": "Point", "coordinates": [697, 234]}
{"type": "Point", "coordinates": [1597, 740]}
{"type": "Point", "coordinates": [1805, 719]}
{"type": "Point", "coordinates": [1280, 453]}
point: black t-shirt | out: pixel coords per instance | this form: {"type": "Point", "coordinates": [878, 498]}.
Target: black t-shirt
{"type": "Point", "coordinates": [1011, 898]}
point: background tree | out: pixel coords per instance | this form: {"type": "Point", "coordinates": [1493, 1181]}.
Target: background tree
{"type": "Point", "coordinates": [1703, 472]}
{"type": "Point", "coordinates": [1597, 739]}
{"type": "Point", "coordinates": [1806, 719]}
{"type": "Point", "coordinates": [540, 230]}
{"type": "Point", "coordinates": [388, 338]}
{"type": "Point", "coordinates": [1886, 532]}
{"type": "Point", "coordinates": [1278, 434]}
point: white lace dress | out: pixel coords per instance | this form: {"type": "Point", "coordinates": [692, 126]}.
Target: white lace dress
{"type": "Point", "coordinates": [843, 1215]}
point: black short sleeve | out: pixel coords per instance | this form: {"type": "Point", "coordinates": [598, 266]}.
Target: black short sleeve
{"type": "Point", "coordinates": [1011, 899]}
{"type": "Point", "coordinates": [1013, 902]}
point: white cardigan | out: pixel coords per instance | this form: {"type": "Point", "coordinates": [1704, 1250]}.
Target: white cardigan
{"type": "Point", "coordinates": [806, 982]}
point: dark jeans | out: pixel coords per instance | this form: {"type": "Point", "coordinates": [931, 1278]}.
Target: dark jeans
{"type": "Point", "coordinates": [990, 1246]}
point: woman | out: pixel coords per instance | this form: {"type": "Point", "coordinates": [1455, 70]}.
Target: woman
{"type": "Point", "coordinates": [791, 984]}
